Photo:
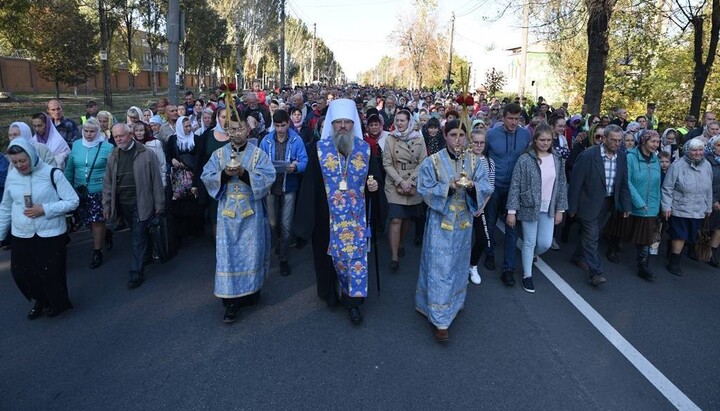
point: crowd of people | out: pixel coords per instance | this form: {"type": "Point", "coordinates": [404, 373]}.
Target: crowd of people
{"type": "Point", "coordinates": [262, 172]}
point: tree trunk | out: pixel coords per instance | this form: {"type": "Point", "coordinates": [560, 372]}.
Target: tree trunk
{"type": "Point", "coordinates": [702, 68]}
{"type": "Point", "coordinates": [57, 88]}
{"type": "Point", "coordinates": [152, 71]}
{"type": "Point", "coordinates": [599, 12]}
{"type": "Point", "coordinates": [104, 45]}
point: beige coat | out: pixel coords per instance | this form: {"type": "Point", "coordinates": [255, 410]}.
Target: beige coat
{"type": "Point", "coordinates": [148, 183]}
{"type": "Point", "coordinates": [401, 160]}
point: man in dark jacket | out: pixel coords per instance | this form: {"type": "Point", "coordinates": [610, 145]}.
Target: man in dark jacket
{"type": "Point", "coordinates": [599, 186]}
{"type": "Point", "coordinates": [66, 127]}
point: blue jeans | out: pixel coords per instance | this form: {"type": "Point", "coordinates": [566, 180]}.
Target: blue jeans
{"type": "Point", "coordinates": [140, 234]}
{"type": "Point", "coordinates": [537, 238]}
{"type": "Point", "coordinates": [282, 205]}
{"type": "Point", "coordinates": [494, 208]}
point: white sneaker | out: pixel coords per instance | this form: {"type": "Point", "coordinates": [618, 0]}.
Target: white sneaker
{"type": "Point", "coordinates": [554, 246]}
{"type": "Point", "coordinates": [474, 275]}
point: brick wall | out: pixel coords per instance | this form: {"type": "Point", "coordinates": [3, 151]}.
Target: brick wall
{"type": "Point", "coordinates": [21, 76]}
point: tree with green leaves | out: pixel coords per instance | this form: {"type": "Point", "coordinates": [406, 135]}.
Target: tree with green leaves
{"type": "Point", "coordinates": [63, 43]}
{"type": "Point", "coordinates": [494, 81]}
{"type": "Point", "coordinates": [204, 41]}
{"type": "Point", "coordinates": [153, 15]}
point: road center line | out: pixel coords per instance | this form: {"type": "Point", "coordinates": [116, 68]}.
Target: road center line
{"type": "Point", "coordinates": [646, 368]}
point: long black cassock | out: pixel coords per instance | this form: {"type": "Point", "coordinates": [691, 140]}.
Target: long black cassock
{"type": "Point", "coordinates": [311, 222]}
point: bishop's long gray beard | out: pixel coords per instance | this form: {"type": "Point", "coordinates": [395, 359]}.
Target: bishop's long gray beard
{"type": "Point", "coordinates": [343, 142]}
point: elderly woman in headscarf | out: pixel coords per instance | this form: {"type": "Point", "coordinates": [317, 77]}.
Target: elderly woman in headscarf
{"type": "Point", "coordinates": [403, 152]}
{"type": "Point", "coordinates": [204, 120]}
{"type": "Point", "coordinates": [85, 171]}
{"type": "Point", "coordinates": [134, 114]}
{"type": "Point", "coordinates": [687, 198]}
{"type": "Point", "coordinates": [143, 133]}
{"type": "Point", "coordinates": [181, 152]}
{"type": "Point", "coordinates": [46, 133]}
{"type": "Point", "coordinates": [37, 197]}
{"type": "Point", "coordinates": [669, 143]}
{"type": "Point", "coordinates": [20, 129]}
{"type": "Point", "coordinates": [644, 182]}
{"type": "Point", "coordinates": [107, 121]}
{"type": "Point", "coordinates": [712, 155]}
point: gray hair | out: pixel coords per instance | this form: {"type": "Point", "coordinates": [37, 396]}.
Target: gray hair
{"type": "Point", "coordinates": [613, 128]}
{"type": "Point", "coordinates": [696, 144]}
{"type": "Point", "coordinates": [91, 123]}
{"type": "Point", "coordinates": [125, 126]}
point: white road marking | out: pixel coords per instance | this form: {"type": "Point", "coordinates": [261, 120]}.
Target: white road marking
{"type": "Point", "coordinates": [646, 368]}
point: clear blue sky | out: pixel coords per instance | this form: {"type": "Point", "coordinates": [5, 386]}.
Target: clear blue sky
{"type": "Point", "coordinates": [359, 32]}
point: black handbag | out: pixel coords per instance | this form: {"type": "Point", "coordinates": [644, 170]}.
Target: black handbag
{"type": "Point", "coordinates": [162, 239]}
{"type": "Point", "coordinates": [82, 191]}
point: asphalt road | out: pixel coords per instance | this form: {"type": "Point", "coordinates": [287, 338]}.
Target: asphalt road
{"type": "Point", "coordinates": [164, 346]}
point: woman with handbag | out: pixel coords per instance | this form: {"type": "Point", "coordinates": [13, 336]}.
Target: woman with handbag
{"type": "Point", "coordinates": [712, 155]}
{"type": "Point", "coordinates": [36, 199]}
{"type": "Point", "coordinates": [686, 199]}
{"type": "Point", "coordinates": [85, 171]}
{"type": "Point", "coordinates": [182, 154]}
{"type": "Point", "coordinates": [404, 151]}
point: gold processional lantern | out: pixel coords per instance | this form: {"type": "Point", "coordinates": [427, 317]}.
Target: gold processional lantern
{"type": "Point", "coordinates": [231, 110]}
{"type": "Point", "coordinates": [465, 100]}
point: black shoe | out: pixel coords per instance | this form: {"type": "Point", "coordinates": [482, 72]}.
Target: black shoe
{"type": "Point", "coordinates": [284, 269]}
{"type": "Point", "coordinates": [507, 278]}
{"type": "Point", "coordinates": [135, 281]}
{"type": "Point", "coordinates": [691, 252]}
{"type": "Point", "coordinates": [97, 259]}
{"type": "Point", "coordinates": [490, 263]}
{"type": "Point", "coordinates": [401, 252]}
{"type": "Point", "coordinates": [612, 256]}
{"type": "Point", "coordinates": [355, 316]}
{"type": "Point", "coordinates": [644, 272]}
{"type": "Point", "coordinates": [527, 284]}
{"type": "Point", "coordinates": [230, 314]}
{"type": "Point", "coordinates": [37, 311]}
{"type": "Point", "coordinates": [597, 280]}
{"type": "Point", "coordinates": [673, 265]}
{"type": "Point", "coordinates": [109, 239]}
{"type": "Point", "coordinates": [394, 265]}
{"type": "Point", "coordinates": [54, 312]}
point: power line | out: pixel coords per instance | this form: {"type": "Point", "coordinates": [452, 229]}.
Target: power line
{"type": "Point", "coordinates": [354, 4]}
{"type": "Point", "coordinates": [471, 11]}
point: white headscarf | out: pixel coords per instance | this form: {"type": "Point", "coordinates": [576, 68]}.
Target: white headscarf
{"type": "Point", "coordinates": [185, 142]}
{"type": "Point", "coordinates": [138, 113]}
{"type": "Point", "coordinates": [99, 138]}
{"type": "Point", "coordinates": [341, 109]}
{"type": "Point", "coordinates": [25, 131]}
{"type": "Point", "coordinates": [54, 141]}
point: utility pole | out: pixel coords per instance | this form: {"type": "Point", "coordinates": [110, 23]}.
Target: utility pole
{"type": "Point", "coordinates": [524, 50]}
{"type": "Point", "coordinates": [312, 54]}
{"type": "Point", "coordinates": [282, 44]}
{"type": "Point", "coordinates": [104, 42]}
{"type": "Point", "coordinates": [452, 35]}
{"type": "Point", "coordinates": [173, 37]}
